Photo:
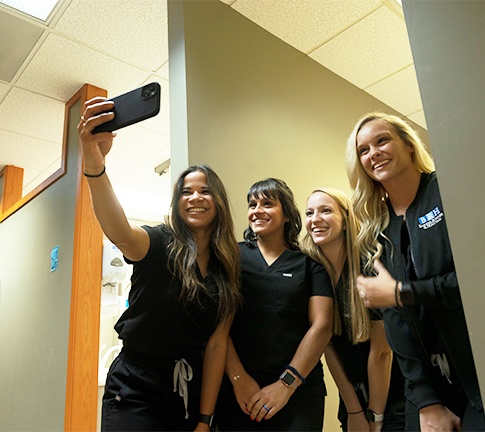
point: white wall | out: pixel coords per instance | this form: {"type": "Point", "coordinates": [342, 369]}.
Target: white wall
{"type": "Point", "coordinates": [35, 306]}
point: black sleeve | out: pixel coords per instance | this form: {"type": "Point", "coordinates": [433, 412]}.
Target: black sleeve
{"type": "Point", "coordinates": [418, 385]}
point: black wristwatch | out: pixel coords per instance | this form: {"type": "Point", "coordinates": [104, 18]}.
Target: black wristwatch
{"type": "Point", "coordinates": [208, 420]}
{"type": "Point", "coordinates": [373, 417]}
{"type": "Point", "coordinates": [287, 378]}
{"type": "Point", "coordinates": [406, 294]}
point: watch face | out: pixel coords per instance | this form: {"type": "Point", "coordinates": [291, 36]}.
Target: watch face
{"type": "Point", "coordinates": [287, 378]}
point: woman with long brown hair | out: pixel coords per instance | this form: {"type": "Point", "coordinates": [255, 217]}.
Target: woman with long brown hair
{"type": "Point", "coordinates": [182, 299]}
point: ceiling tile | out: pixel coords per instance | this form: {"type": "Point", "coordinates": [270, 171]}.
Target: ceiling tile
{"type": "Point", "coordinates": [418, 118]}
{"type": "Point", "coordinates": [134, 144]}
{"type": "Point", "coordinates": [162, 72]}
{"type": "Point", "coordinates": [134, 31]}
{"type": "Point", "coordinates": [305, 24]}
{"type": "Point", "coordinates": [3, 90]}
{"type": "Point", "coordinates": [34, 177]}
{"type": "Point", "coordinates": [157, 158]}
{"type": "Point", "coordinates": [362, 55]}
{"type": "Point", "coordinates": [33, 115]}
{"type": "Point", "coordinates": [27, 152]}
{"type": "Point", "coordinates": [17, 39]}
{"type": "Point", "coordinates": [399, 91]}
{"type": "Point", "coordinates": [142, 179]}
{"type": "Point", "coordinates": [143, 206]}
{"type": "Point", "coordinates": [60, 68]}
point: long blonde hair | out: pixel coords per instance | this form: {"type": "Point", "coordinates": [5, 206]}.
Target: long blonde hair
{"type": "Point", "coordinates": [369, 198]}
{"type": "Point", "coordinates": [359, 325]}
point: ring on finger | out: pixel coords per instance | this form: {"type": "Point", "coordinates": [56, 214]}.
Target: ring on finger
{"type": "Point", "coordinates": [266, 408]}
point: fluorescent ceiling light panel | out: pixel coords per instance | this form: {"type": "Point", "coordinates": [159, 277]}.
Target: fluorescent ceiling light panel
{"type": "Point", "coordinates": [37, 8]}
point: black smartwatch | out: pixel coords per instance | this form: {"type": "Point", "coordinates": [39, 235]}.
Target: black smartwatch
{"type": "Point", "coordinates": [406, 294]}
{"type": "Point", "coordinates": [287, 378]}
{"type": "Point", "coordinates": [208, 420]}
{"type": "Point", "coordinates": [373, 417]}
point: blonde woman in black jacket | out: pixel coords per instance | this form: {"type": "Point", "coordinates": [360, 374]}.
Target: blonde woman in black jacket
{"type": "Point", "coordinates": [403, 231]}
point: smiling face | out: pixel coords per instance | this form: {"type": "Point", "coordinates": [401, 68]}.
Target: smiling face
{"type": "Point", "coordinates": [196, 204]}
{"type": "Point", "coordinates": [381, 151]}
{"type": "Point", "coordinates": [324, 220]}
{"type": "Point", "coordinates": [266, 217]}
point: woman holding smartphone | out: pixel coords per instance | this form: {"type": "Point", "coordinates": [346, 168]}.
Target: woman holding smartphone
{"type": "Point", "coordinates": [182, 300]}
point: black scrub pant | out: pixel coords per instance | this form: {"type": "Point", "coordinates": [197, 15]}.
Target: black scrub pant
{"type": "Point", "coordinates": [139, 396]}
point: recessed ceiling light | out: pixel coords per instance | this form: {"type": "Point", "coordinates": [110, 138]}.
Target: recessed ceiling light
{"type": "Point", "coordinates": [40, 9]}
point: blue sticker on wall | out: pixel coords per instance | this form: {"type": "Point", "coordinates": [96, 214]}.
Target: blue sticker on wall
{"type": "Point", "coordinates": [54, 258]}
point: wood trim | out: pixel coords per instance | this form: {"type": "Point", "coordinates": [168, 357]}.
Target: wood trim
{"type": "Point", "coordinates": [12, 184]}
{"type": "Point", "coordinates": [82, 369]}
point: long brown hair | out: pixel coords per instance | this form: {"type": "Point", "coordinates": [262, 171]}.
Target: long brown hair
{"type": "Point", "coordinates": [182, 250]}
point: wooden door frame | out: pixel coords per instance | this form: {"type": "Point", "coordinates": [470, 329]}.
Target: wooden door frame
{"type": "Point", "coordinates": [82, 367]}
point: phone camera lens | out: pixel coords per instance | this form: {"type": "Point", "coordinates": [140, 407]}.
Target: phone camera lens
{"type": "Point", "coordinates": [148, 91]}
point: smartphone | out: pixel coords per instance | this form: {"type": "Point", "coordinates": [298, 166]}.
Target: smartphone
{"type": "Point", "coordinates": [133, 107]}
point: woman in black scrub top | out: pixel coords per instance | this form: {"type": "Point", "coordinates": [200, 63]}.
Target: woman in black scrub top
{"type": "Point", "coordinates": [370, 384]}
{"type": "Point", "coordinates": [274, 377]}
{"type": "Point", "coordinates": [183, 295]}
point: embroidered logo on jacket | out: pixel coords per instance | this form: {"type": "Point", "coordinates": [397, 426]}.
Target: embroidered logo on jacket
{"type": "Point", "coordinates": [430, 219]}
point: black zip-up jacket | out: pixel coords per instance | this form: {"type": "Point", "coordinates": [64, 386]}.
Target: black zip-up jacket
{"type": "Point", "coordinates": [437, 312]}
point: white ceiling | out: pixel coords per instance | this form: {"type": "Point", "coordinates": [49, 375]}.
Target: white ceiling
{"type": "Point", "coordinates": [122, 44]}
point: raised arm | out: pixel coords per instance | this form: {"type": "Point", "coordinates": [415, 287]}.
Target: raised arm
{"type": "Point", "coordinates": [133, 241]}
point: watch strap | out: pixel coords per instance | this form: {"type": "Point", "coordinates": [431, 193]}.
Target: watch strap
{"type": "Point", "coordinates": [373, 417]}
{"type": "Point", "coordinates": [208, 419]}
{"type": "Point", "coordinates": [406, 294]}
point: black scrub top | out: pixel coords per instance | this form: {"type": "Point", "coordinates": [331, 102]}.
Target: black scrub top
{"type": "Point", "coordinates": [274, 317]}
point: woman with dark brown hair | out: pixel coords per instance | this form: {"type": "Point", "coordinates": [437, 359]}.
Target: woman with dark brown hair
{"type": "Point", "coordinates": [274, 377]}
{"type": "Point", "coordinates": [182, 300]}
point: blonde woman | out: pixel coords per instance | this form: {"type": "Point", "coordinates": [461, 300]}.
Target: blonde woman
{"type": "Point", "coordinates": [358, 355]}
{"type": "Point", "coordinates": [403, 229]}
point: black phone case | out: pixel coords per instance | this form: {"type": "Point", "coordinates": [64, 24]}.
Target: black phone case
{"type": "Point", "coordinates": [133, 107]}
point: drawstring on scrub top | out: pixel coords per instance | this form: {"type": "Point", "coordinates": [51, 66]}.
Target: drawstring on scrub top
{"type": "Point", "coordinates": [182, 373]}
